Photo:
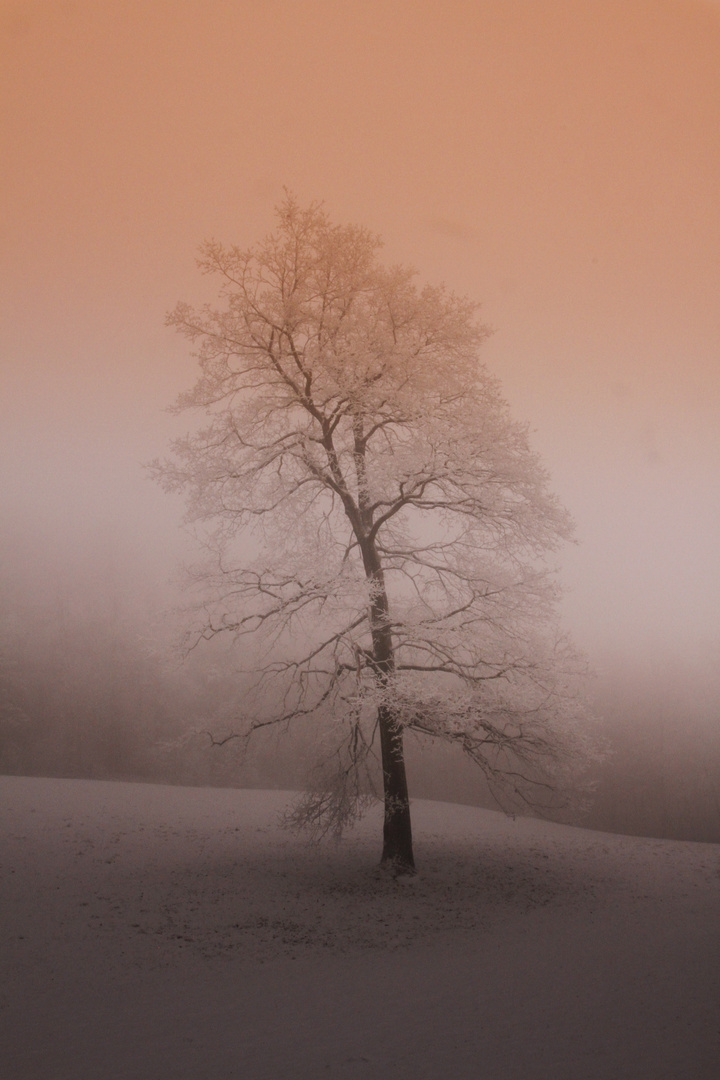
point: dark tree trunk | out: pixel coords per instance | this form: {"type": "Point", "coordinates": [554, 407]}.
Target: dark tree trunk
{"type": "Point", "coordinates": [397, 830]}
{"type": "Point", "coordinates": [397, 852]}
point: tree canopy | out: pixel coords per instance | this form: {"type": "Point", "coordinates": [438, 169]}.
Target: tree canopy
{"type": "Point", "coordinates": [377, 525]}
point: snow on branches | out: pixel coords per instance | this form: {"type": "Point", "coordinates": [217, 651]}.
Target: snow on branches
{"type": "Point", "coordinates": [378, 523]}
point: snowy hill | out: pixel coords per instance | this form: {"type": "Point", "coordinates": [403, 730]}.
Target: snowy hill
{"type": "Point", "coordinates": [166, 933]}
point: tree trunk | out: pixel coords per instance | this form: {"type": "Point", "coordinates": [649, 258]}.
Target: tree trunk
{"type": "Point", "coordinates": [397, 852]}
{"type": "Point", "coordinates": [397, 830]}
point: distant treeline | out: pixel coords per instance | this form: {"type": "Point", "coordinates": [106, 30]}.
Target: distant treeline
{"type": "Point", "coordinates": [90, 686]}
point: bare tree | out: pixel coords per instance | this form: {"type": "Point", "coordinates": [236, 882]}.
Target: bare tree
{"type": "Point", "coordinates": [376, 523]}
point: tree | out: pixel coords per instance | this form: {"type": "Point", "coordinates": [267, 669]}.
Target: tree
{"type": "Point", "coordinates": [376, 524]}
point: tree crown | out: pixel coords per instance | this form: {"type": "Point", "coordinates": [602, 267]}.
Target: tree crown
{"type": "Point", "coordinates": [399, 519]}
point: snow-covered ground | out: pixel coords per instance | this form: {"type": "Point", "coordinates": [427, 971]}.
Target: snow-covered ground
{"type": "Point", "coordinates": [162, 933]}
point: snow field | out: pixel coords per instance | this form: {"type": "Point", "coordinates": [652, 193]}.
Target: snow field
{"type": "Point", "coordinates": [163, 933]}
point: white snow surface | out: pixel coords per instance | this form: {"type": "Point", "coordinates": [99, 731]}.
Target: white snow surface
{"type": "Point", "coordinates": [166, 933]}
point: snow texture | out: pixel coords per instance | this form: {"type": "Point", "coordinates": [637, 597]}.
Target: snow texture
{"type": "Point", "coordinates": [166, 933]}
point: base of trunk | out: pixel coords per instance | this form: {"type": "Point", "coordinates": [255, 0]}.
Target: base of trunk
{"type": "Point", "coordinates": [397, 856]}
{"type": "Point", "coordinates": [397, 866]}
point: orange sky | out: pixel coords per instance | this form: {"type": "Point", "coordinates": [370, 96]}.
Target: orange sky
{"type": "Point", "coordinates": [557, 159]}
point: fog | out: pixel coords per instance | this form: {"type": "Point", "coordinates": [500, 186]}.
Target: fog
{"type": "Point", "coordinates": [559, 162]}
